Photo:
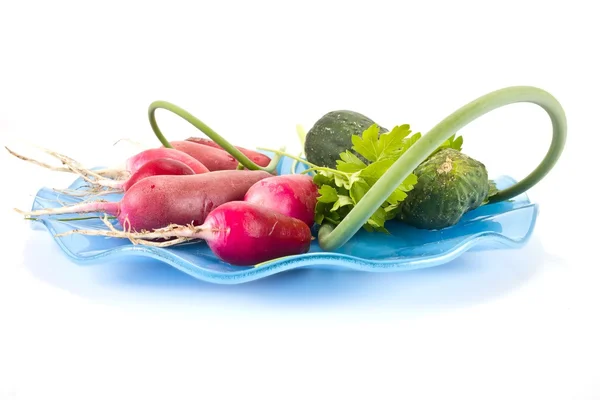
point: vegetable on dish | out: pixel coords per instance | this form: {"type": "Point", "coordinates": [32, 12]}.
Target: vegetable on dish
{"type": "Point", "coordinates": [213, 158]}
{"type": "Point", "coordinates": [449, 184]}
{"type": "Point", "coordinates": [258, 158]}
{"type": "Point", "coordinates": [156, 167]}
{"type": "Point", "coordinates": [238, 232]}
{"type": "Point", "coordinates": [359, 176]}
{"type": "Point", "coordinates": [332, 134]}
{"type": "Point", "coordinates": [158, 201]}
{"type": "Point", "coordinates": [291, 195]}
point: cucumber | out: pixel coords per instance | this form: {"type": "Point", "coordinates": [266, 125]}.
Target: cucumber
{"type": "Point", "coordinates": [332, 135]}
{"type": "Point", "coordinates": [449, 185]}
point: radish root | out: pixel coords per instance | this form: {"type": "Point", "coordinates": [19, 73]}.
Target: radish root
{"type": "Point", "coordinates": [176, 234]}
{"type": "Point", "coordinates": [38, 163]}
{"type": "Point", "coordinates": [83, 207]}
{"type": "Point", "coordinates": [73, 165]}
{"type": "Point", "coordinates": [110, 183]}
{"type": "Point", "coordinates": [113, 173]}
{"type": "Point", "coordinates": [70, 165]}
{"type": "Point", "coordinates": [93, 191]}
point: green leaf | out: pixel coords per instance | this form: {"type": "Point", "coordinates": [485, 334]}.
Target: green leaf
{"type": "Point", "coordinates": [392, 141]}
{"type": "Point", "coordinates": [328, 194]}
{"type": "Point", "coordinates": [375, 170]}
{"type": "Point", "coordinates": [382, 230]}
{"type": "Point", "coordinates": [320, 210]}
{"type": "Point", "coordinates": [457, 144]}
{"type": "Point", "coordinates": [321, 179]}
{"type": "Point", "coordinates": [409, 183]}
{"type": "Point", "coordinates": [411, 180]}
{"type": "Point", "coordinates": [493, 189]}
{"type": "Point", "coordinates": [451, 143]}
{"type": "Point", "coordinates": [377, 220]}
{"type": "Point", "coordinates": [334, 217]}
{"type": "Point", "coordinates": [358, 190]}
{"type": "Point", "coordinates": [354, 178]}
{"type": "Point", "coordinates": [319, 218]}
{"type": "Point", "coordinates": [367, 145]}
{"type": "Point", "coordinates": [343, 211]}
{"type": "Point", "coordinates": [349, 162]}
{"type": "Point", "coordinates": [397, 196]}
{"type": "Point", "coordinates": [301, 132]}
{"type": "Point", "coordinates": [388, 210]}
{"type": "Point", "coordinates": [341, 202]}
{"type": "Point", "coordinates": [341, 181]}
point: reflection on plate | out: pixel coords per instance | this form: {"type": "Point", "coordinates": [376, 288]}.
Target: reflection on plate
{"type": "Point", "coordinates": [502, 225]}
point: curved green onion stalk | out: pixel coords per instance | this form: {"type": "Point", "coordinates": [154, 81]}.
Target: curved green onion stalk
{"type": "Point", "coordinates": [238, 155]}
{"type": "Point", "coordinates": [331, 238]}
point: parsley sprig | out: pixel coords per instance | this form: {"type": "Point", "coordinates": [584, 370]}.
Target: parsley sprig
{"type": "Point", "coordinates": [341, 188]}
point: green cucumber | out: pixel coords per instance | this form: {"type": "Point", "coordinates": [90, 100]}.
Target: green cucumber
{"type": "Point", "coordinates": [332, 135]}
{"type": "Point", "coordinates": [450, 184]}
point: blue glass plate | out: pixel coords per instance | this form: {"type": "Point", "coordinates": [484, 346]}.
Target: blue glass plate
{"type": "Point", "coordinates": [506, 224]}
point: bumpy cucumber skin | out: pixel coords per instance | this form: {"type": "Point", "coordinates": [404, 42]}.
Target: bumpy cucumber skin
{"type": "Point", "coordinates": [450, 184]}
{"type": "Point", "coordinates": [332, 135]}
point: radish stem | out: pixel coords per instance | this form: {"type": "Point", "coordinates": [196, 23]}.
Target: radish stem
{"type": "Point", "coordinates": [301, 134]}
{"type": "Point", "coordinates": [282, 153]}
{"type": "Point", "coordinates": [295, 163]}
{"type": "Point", "coordinates": [302, 137]}
{"type": "Point", "coordinates": [218, 139]}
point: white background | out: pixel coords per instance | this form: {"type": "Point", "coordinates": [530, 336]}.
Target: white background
{"type": "Point", "coordinates": [510, 324]}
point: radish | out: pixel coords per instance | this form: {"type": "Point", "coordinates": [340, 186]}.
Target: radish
{"type": "Point", "coordinates": [214, 159]}
{"type": "Point", "coordinates": [238, 232]}
{"type": "Point", "coordinates": [292, 195]}
{"type": "Point", "coordinates": [157, 167]}
{"type": "Point", "coordinates": [158, 201]}
{"type": "Point", "coordinates": [134, 163]}
{"type": "Point", "coordinates": [242, 233]}
{"type": "Point", "coordinates": [255, 156]}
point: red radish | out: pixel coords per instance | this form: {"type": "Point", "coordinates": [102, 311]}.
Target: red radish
{"type": "Point", "coordinates": [157, 167]}
{"type": "Point", "coordinates": [255, 156]}
{"type": "Point", "coordinates": [158, 201]}
{"type": "Point", "coordinates": [292, 195]}
{"type": "Point", "coordinates": [238, 232]}
{"type": "Point", "coordinates": [214, 159]}
{"type": "Point", "coordinates": [242, 233]}
{"type": "Point", "coordinates": [137, 161]}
